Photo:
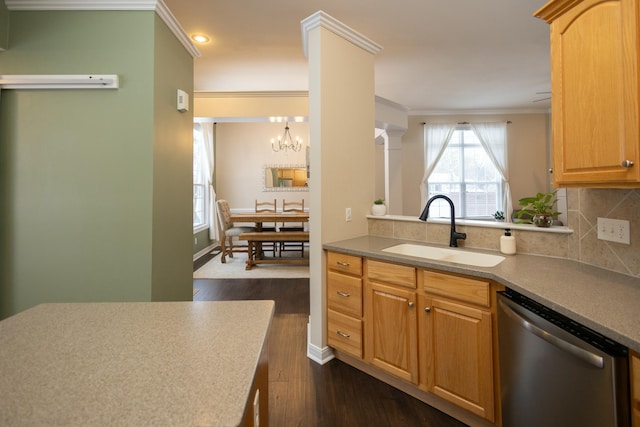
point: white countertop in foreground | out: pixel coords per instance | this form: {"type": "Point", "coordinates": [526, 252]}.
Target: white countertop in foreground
{"type": "Point", "coordinates": [131, 364]}
{"type": "Point", "coordinates": [603, 300]}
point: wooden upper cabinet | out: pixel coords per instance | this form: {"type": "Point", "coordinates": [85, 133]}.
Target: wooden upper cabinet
{"type": "Point", "coordinates": [594, 84]}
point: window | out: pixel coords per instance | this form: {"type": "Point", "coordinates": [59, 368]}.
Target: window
{"type": "Point", "coordinates": [465, 174]}
{"type": "Point", "coordinates": [200, 193]}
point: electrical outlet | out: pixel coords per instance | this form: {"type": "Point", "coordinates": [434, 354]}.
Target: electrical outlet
{"type": "Point", "coordinates": [347, 214]}
{"type": "Point", "coordinates": [614, 230]}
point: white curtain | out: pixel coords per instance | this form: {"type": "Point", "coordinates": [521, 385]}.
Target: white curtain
{"type": "Point", "coordinates": [208, 135]}
{"type": "Point", "coordinates": [436, 139]}
{"type": "Point", "coordinates": [493, 137]}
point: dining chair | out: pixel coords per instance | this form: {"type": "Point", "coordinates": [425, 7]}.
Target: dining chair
{"type": "Point", "coordinates": [228, 230]}
{"type": "Point", "coordinates": [292, 207]}
{"type": "Point", "coordinates": [269, 206]}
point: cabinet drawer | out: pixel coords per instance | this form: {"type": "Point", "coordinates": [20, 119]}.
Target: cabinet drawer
{"type": "Point", "coordinates": [344, 333]}
{"type": "Point", "coordinates": [346, 263]}
{"type": "Point", "coordinates": [391, 273]}
{"type": "Point", "coordinates": [344, 293]}
{"type": "Point", "coordinates": [460, 288]}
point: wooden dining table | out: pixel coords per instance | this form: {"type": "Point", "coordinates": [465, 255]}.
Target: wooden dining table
{"type": "Point", "coordinates": [261, 217]}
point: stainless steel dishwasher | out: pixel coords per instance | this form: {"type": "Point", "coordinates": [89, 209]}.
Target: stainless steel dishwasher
{"type": "Point", "coordinates": [555, 372]}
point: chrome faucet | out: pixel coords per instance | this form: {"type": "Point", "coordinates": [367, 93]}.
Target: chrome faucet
{"type": "Point", "coordinates": [455, 236]}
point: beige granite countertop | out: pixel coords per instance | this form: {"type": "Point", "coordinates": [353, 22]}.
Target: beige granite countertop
{"type": "Point", "coordinates": [131, 364]}
{"type": "Point", "coordinates": [603, 300]}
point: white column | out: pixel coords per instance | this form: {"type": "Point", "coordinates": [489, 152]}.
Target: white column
{"type": "Point", "coordinates": [341, 128]}
{"type": "Point", "coordinates": [393, 171]}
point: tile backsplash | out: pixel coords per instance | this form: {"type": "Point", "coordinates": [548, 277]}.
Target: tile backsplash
{"type": "Point", "coordinates": [584, 206]}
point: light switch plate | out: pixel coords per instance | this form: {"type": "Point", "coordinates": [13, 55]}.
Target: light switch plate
{"type": "Point", "coordinates": [614, 230]}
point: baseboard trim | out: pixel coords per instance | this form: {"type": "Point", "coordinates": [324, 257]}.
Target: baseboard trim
{"type": "Point", "coordinates": [204, 251]}
{"type": "Point", "coordinates": [320, 355]}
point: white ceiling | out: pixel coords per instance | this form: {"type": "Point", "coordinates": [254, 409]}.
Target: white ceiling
{"type": "Point", "coordinates": [437, 56]}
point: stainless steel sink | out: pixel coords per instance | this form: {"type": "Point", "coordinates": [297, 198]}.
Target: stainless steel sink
{"type": "Point", "coordinates": [443, 254]}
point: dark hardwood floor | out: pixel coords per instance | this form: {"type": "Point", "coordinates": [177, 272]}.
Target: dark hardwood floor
{"type": "Point", "coordinates": [304, 393]}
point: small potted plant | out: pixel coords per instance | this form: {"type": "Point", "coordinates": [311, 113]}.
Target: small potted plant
{"type": "Point", "coordinates": [378, 207]}
{"type": "Point", "coordinates": [498, 216]}
{"type": "Point", "coordinates": [538, 210]}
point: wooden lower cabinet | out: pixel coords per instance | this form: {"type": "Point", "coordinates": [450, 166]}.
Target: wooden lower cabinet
{"type": "Point", "coordinates": [344, 333]}
{"type": "Point", "coordinates": [344, 303]}
{"type": "Point", "coordinates": [431, 330]}
{"type": "Point", "coordinates": [634, 360]}
{"type": "Point", "coordinates": [456, 354]}
{"type": "Point", "coordinates": [391, 332]}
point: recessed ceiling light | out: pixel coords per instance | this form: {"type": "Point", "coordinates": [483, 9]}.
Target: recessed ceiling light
{"type": "Point", "coordinates": [200, 38]}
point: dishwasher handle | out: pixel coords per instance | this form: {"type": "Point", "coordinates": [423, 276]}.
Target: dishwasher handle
{"type": "Point", "coordinates": [580, 353]}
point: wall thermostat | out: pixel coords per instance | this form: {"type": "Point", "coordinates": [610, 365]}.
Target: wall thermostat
{"type": "Point", "coordinates": [183, 101]}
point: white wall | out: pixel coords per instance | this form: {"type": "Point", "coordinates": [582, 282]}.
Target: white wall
{"type": "Point", "coordinates": [243, 150]}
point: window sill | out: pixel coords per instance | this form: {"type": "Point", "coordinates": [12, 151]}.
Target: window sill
{"type": "Point", "coordinates": [477, 223]}
{"type": "Point", "coordinates": [200, 228]}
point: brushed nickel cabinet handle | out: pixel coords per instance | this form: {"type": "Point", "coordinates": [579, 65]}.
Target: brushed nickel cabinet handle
{"type": "Point", "coordinates": [342, 264]}
{"type": "Point", "coordinates": [626, 163]}
{"type": "Point", "coordinates": [427, 309]}
{"type": "Point", "coordinates": [342, 334]}
{"type": "Point", "coordinates": [411, 304]}
{"type": "Point", "coordinates": [343, 294]}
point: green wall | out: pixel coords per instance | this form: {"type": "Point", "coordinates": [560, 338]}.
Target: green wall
{"type": "Point", "coordinates": [4, 27]}
{"type": "Point", "coordinates": [203, 241]}
{"type": "Point", "coordinates": [172, 170]}
{"type": "Point", "coordinates": [86, 175]}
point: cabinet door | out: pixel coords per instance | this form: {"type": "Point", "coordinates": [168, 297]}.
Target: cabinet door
{"type": "Point", "coordinates": [595, 92]}
{"type": "Point", "coordinates": [391, 331]}
{"type": "Point", "coordinates": [456, 354]}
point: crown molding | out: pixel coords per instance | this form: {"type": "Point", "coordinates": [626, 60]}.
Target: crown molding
{"type": "Point", "coordinates": [383, 101]}
{"type": "Point", "coordinates": [322, 19]}
{"type": "Point", "coordinates": [158, 6]}
{"type": "Point", "coordinates": [479, 112]}
{"type": "Point", "coordinates": [251, 94]}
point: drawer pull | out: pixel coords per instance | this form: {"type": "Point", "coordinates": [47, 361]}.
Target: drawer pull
{"type": "Point", "coordinates": [342, 334]}
{"type": "Point", "coordinates": [342, 264]}
{"type": "Point", "coordinates": [343, 294]}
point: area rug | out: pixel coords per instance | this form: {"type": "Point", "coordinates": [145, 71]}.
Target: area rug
{"type": "Point", "coordinates": [234, 268]}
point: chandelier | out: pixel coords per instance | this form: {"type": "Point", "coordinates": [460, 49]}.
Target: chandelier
{"type": "Point", "coordinates": [286, 142]}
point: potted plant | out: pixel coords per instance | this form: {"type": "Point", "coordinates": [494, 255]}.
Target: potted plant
{"type": "Point", "coordinates": [498, 216]}
{"type": "Point", "coordinates": [378, 207]}
{"type": "Point", "coordinates": [538, 210]}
